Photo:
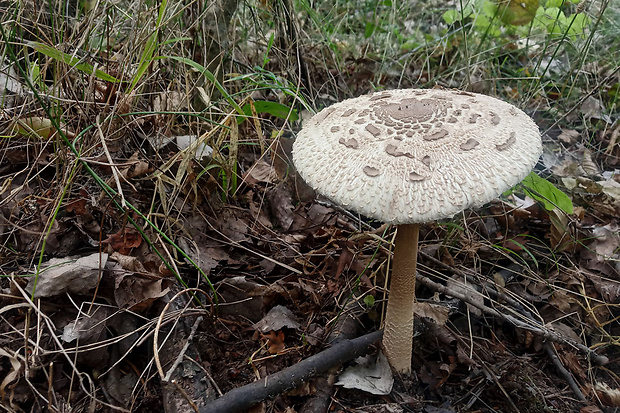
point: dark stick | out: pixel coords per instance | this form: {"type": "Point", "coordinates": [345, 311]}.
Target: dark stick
{"type": "Point", "coordinates": [242, 398]}
{"type": "Point", "coordinates": [563, 372]}
{"type": "Point", "coordinates": [345, 328]}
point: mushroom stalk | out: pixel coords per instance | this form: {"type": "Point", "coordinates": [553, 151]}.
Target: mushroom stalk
{"type": "Point", "coordinates": [398, 332]}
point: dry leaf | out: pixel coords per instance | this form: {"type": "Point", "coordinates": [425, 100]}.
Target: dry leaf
{"type": "Point", "coordinates": [371, 374]}
{"type": "Point", "coordinates": [128, 262]}
{"type": "Point", "coordinates": [261, 171]}
{"type": "Point", "coordinates": [275, 341]}
{"type": "Point", "coordinates": [87, 328]}
{"type": "Point", "coordinates": [10, 377]}
{"type": "Point", "coordinates": [588, 165]}
{"type": "Point", "coordinates": [277, 318]}
{"type": "Point", "coordinates": [137, 293]}
{"type": "Point", "coordinates": [436, 312]}
{"type": "Point", "coordinates": [281, 206]}
{"type": "Point", "coordinates": [560, 236]}
{"type": "Point", "coordinates": [569, 136]}
{"type": "Point", "coordinates": [607, 395]}
{"type": "Point", "coordinates": [124, 240]}
{"type": "Point", "coordinates": [61, 275]}
{"type": "Point", "coordinates": [205, 257]}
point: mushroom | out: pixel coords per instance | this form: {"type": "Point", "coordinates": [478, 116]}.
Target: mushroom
{"type": "Point", "coordinates": [407, 157]}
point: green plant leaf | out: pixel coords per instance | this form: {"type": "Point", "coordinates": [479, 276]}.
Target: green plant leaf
{"type": "Point", "coordinates": [369, 300]}
{"type": "Point", "coordinates": [545, 192]}
{"type": "Point", "coordinates": [149, 49]}
{"type": "Point", "coordinates": [273, 108]}
{"type": "Point", "coordinates": [580, 22]}
{"type": "Point", "coordinates": [451, 16]}
{"type": "Point", "coordinates": [72, 61]}
{"type": "Point", "coordinates": [489, 9]}
{"type": "Point", "coordinates": [554, 3]}
{"type": "Point", "coordinates": [369, 29]}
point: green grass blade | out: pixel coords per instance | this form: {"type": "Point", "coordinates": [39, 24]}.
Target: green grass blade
{"type": "Point", "coordinates": [210, 77]}
{"type": "Point", "coordinates": [72, 61]}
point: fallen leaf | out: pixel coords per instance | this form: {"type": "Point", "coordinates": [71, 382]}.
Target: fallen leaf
{"type": "Point", "coordinates": [371, 374]}
{"type": "Point", "coordinates": [435, 374]}
{"type": "Point", "coordinates": [572, 362]}
{"type": "Point", "coordinates": [11, 376]}
{"type": "Point", "coordinates": [275, 342]}
{"type": "Point", "coordinates": [608, 289]}
{"type": "Point", "coordinates": [277, 318]}
{"type": "Point", "coordinates": [281, 206]}
{"type": "Point", "coordinates": [136, 292]}
{"type": "Point", "coordinates": [594, 108]}
{"type": "Point", "coordinates": [437, 313]}
{"type": "Point", "coordinates": [68, 275]}
{"type": "Point", "coordinates": [77, 206]}
{"type": "Point", "coordinates": [560, 236]}
{"type": "Point", "coordinates": [124, 240]}
{"type": "Point", "coordinates": [234, 228]}
{"type": "Point", "coordinates": [261, 171]}
{"type": "Point", "coordinates": [564, 301]}
{"type": "Point", "coordinates": [569, 136]}
{"type": "Point", "coordinates": [207, 258]}
{"type": "Point", "coordinates": [607, 395]}
{"type": "Point", "coordinates": [88, 328]}
{"type": "Point", "coordinates": [243, 298]}
{"type": "Point", "coordinates": [128, 262]}
{"type": "Point", "coordinates": [602, 254]}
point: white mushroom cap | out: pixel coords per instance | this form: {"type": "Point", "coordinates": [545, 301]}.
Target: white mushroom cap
{"type": "Point", "coordinates": [413, 155]}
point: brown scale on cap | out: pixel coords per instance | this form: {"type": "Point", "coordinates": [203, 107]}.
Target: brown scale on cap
{"type": "Point", "coordinates": [470, 144]}
{"type": "Point", "coordinates": [509, 142]}
{"type": "Point", "coordinates": [375, 131]}
{"type": "Point", "coordinates": [349, 143]}
{"type": "Point", "coordinates": [370, 171]}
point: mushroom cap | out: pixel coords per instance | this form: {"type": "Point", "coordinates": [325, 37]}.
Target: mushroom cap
{"type": "Point", "coordinates": [414, 155]}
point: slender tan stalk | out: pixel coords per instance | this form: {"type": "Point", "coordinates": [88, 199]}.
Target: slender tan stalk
{"type": "Point", "coordinates": [398, 332]}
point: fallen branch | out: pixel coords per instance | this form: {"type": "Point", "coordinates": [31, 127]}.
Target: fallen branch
{"type": "Point", "coordinates": [563, 372]}
{"type": "Point", "coordinates": [537, 328]}
{"type": "Point", "coordinates": [345, 328]}
{"type": "Point", "coordinates": [242, 398]}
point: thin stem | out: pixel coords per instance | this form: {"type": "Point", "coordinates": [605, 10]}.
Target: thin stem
{"type": "Point", "coordinates": [398, 333]}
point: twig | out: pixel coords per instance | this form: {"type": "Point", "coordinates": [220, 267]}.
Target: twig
{"type": "Point", "coordinates": [189, 400]}
{"type": "Point", "coordinates": [345, 328]}
{"type": "Point", "coordinates": [184, 349]}
{"type": "Point", "coordinates": [612, 140]}
{"type": "Point", "coordinates": [594, 90]}
{"type": "Point", "coordinates": [498, 295]}
{"type": "Point", "coordinates": [160, 320]}
{"type": "Point", "coordinates": [242, 398]}
{"type": "Point", "coordinates": [535, 329]}
{"type": "Point", "coordinates": [112, 165]}
{"type": "Point", "coordinates": [563, 372]}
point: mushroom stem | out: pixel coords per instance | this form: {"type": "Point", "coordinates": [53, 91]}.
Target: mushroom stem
{"type": "Point", "coordinates": [398, 332]}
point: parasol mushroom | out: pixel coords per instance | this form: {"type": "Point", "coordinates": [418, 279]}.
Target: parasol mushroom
{"type": "Point", "coordinates": [407, 157]}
